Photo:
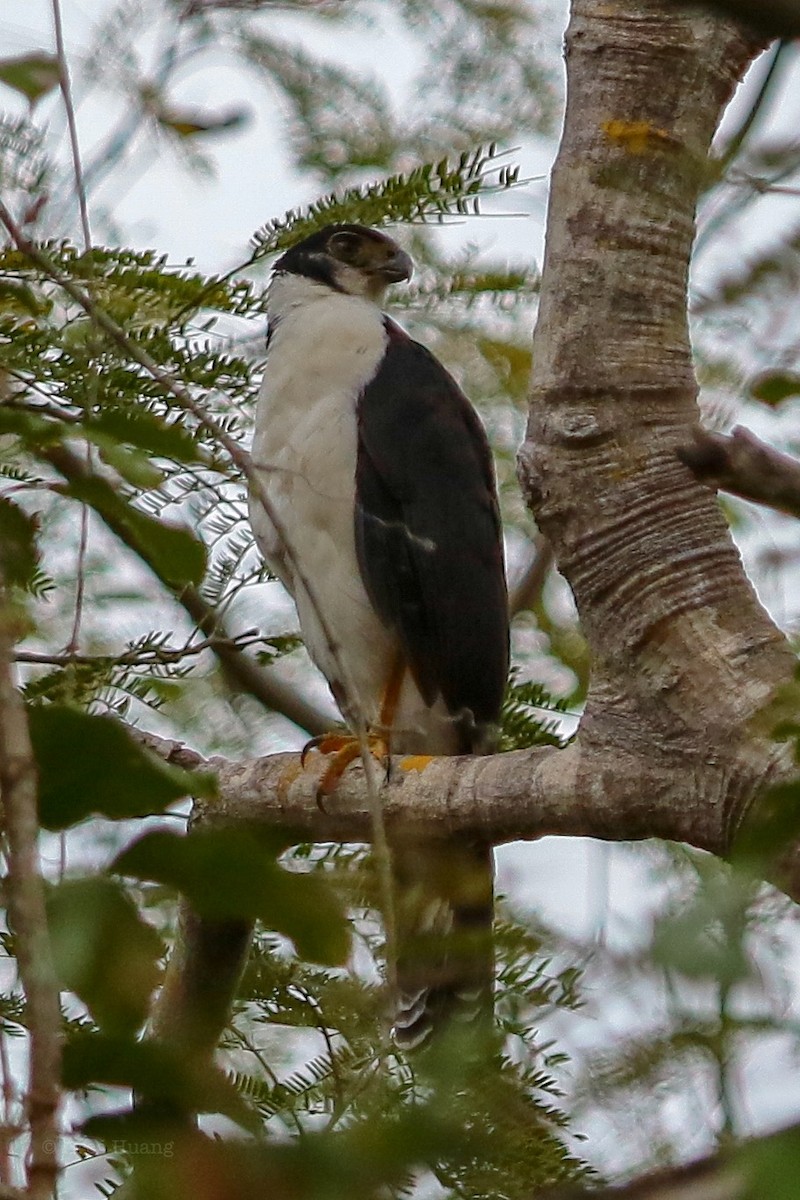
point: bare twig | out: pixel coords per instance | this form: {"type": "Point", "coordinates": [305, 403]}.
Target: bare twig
{"type": "Point", "coordinates": [152, 656]}
{"type": "Point", "coordinates": [745, 466]}
{"type": "Point", "coordinates": [69, 108]}
{"type": "Point", "coordinates": [27, 913]}
{"type": "Point", "coordinates": [80, 191]}
{"type": "Point", "coordinates": [263, 683]}
{"type": "Point", "coordinates": [9, 1130]}
{"type": "Point", "coordinates": [527, 590]}
{"type": "Point", "coordinates": [734, 1174]}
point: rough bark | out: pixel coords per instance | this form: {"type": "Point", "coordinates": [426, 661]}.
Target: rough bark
{"type": "Point", "coordinates": [683, 654]}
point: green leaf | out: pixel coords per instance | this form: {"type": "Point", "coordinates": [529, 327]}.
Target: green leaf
{"type": "Point", "coordinates": [773, 387]}
{"type": "Point", "coordinates": [772, 824]}
{"type": "Point", "coordinates": [91, 764]}
{"type": "Point", "coordinates": [175, 554]}
{"type": "Point", "coordinates": [771, 1166]}
{"type": "Point", "coordinates": [157, 1072]}
{"type": "Point", "coordinates": [19, 557]}
{"type": "Point", "coordinates": [104, 952]}
{"type": "Point", "coordinates": [189, 122]}
{"type": "Point", "coordinates": [32, 74]}
{"type": "Point", "coordinates": [230, 873]}
{"type": "Point", "coordinates": [146, 431]}
{"type": "Point", "coordinates": [134, 467]}
{"type": "Point", "coordinates": [426, 193]}
{"type": "Point", "coordinates": [18, 295]}
{"type": "Point", "coordinates": [34, 430]}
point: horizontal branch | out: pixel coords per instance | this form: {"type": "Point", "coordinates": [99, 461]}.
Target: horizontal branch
{"type": "Point", "coordinates": [745, 466]}
{"type": "Point", "coordinates": [710, 1179]}
{"type": "Point", "coordinates": [589, 789]}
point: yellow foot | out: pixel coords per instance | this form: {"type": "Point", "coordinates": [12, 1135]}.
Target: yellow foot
{"type": "Point", "coordinates": [344, 749]}
{"type": "Point", "coordinates": [415, 762]}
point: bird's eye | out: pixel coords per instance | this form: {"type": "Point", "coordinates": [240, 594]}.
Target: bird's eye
{"type": "Point", "coordinates": [345, 246]}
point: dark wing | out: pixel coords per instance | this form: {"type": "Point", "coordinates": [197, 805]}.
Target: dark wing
{"type": "Point", "coordinates": [428, 533]}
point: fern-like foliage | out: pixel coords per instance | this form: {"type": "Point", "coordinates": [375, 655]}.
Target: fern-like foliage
{"type": "Point", "coordinates": [431, 192]}
{"type": "Point", "coordinates": [499, 1126]}
{"type": "Point", "coordinates": [522, 722]}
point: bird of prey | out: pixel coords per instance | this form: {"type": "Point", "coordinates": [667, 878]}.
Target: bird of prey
{"type": "Point", "coordinates": [383, 524]}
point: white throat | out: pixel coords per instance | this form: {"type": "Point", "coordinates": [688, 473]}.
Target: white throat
{"type": "Point", "coordinates": [288, 292]}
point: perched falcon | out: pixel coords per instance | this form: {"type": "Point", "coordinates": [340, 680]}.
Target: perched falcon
{"type": "Point", "coordinates": [387, 534]}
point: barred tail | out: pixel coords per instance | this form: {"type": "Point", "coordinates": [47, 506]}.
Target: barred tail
{"type": "Point", "coordinates": [445, 959]}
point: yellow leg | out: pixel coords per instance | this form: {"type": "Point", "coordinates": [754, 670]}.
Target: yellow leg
{"type": "Point", "coordinates": [345, 748]}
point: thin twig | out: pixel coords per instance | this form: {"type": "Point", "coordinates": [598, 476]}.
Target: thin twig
{"type": "Point", "coordinates": [245, 1043]}
{"type": "Point", "coordinates": [383, 862]}
{"type": "Point", "coordinates": [80, 191]}
{"type": "Point", "coordinates": [9, 1097]}
{"type": "Point", "coordinates": [69, 108]}
{"type": "Point", "coordinates": [527, 591]}
{"type": "Point", "coordinates": [80, 576]}
{"type": "Point", "coordinates": [153, 656]}
{"type": "Point", "coordinates": [27, 913]}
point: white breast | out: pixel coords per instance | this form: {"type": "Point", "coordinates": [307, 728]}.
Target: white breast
{"type": "Point", "coordinates": [324, 349]}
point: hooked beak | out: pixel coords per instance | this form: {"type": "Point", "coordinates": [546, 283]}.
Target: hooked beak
{"type": "Point", "coordinates": [396, 268]}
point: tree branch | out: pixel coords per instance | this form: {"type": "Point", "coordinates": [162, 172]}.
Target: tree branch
{"type": "Point", "coordinates": [590, 789]}
{"type": "Point", "coordinates": [746, 466]}
{"type": "Point", "coordinates": [28, 919]}
{"type": "Point", "coordinates": [772, 18]}
{"type": "Point", "coordinates": [527, 591]}
{"type": "Point", "coordinates": [732, 1175]}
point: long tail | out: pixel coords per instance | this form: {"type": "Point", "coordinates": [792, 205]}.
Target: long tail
{"type": "Point", "coordinates": [444, 894]}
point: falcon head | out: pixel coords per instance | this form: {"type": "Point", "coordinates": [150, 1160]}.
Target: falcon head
{"type": "Point", "coordinates": [350, 259]}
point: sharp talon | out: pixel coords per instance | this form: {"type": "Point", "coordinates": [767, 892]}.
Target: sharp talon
{"type": "Point", "coordinates": [326, 743]}
{"type": "Point", "coordinates": [343, 749]}
{"type": "Point", "coordinates": [320, 797]}
{"type": "Point", "coordinates": [386, 758]}
{"type": "Point", "coordinates": [313, 744]}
